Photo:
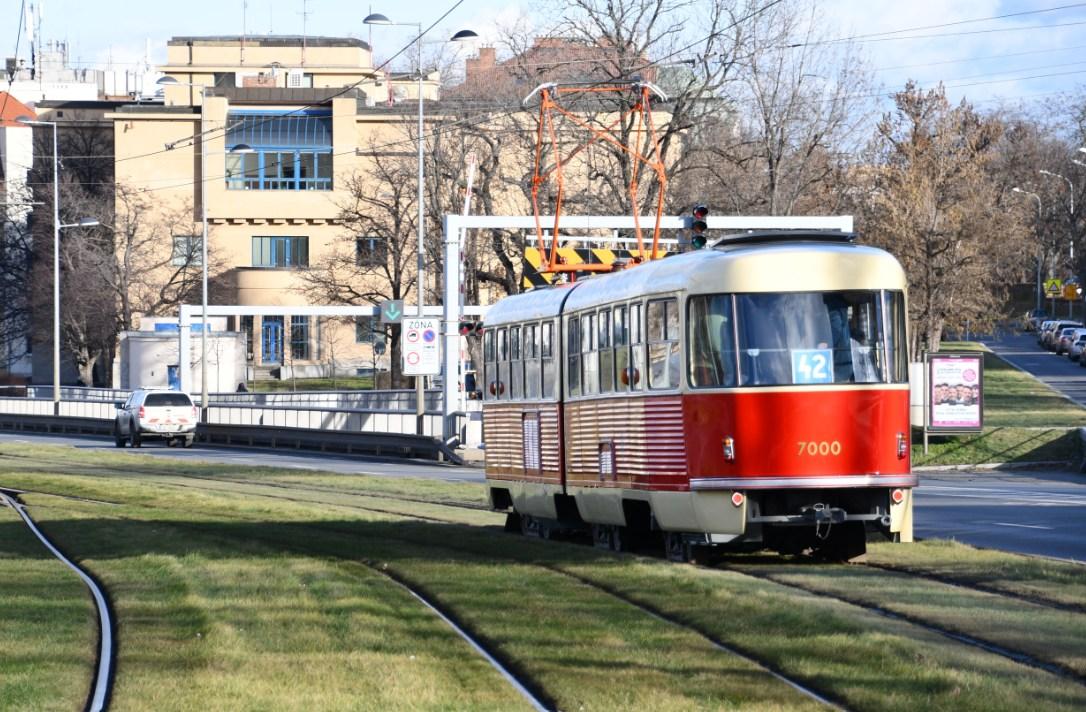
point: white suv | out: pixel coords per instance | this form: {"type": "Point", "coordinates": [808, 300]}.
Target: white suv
{"type": "Point", "coordinates": [156, 414]}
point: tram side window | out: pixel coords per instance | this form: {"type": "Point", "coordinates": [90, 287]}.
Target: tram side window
{"type": "Point", "coordinates": [637, 348]}
{"type": "Point", "coordinates": [894, 328]}
{"type": "Point", "coordinates": [546, 350]}
{"type": "Point", "coordinates": [531, 361]}
{"type": "Point", "coordinates": [503, 365]}
{"type": "Point", "coordinates": [622, 350]}
{"type": "Point", "coordinates": [490, 374]}
{"type": "Point", "coordinates": [607, 355]}
{"type": "Point", "coordinates": [663, 337]}
{"type": "Point", "coordinates": [573, 355]}
{"type": "Point", "coordinates": [516, 365]}
{"type": "Point", "coordinates": [712, 341]}
{"type": "Point", "coordinates": [590, 364]}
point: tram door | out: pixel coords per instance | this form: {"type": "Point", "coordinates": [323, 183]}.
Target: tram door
{"type": "Point", "coordinates": [271, 333]}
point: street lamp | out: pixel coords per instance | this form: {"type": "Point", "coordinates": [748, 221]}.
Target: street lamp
{"type": "Point", "coordinates": [1040, 256]}
{"type": "Point", "coordinates": [1070, 192]}
{"type": "Point", "coordinates": [85, 222]}
{"type": "Point", "coordinates": [240, 148]}
{"type": "Point", "coordinates": [461, 36]}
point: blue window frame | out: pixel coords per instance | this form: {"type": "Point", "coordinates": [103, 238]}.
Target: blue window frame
{"type": "Point", "coordinates": [280, 252]}
{"type": "Point", "coordinates": [290, 150]}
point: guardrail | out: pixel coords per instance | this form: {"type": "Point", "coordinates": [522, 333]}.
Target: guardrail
{"type": "Point", "coordinates": [325, 429]}
{"type": "Point", "coordinates": [380, 400]}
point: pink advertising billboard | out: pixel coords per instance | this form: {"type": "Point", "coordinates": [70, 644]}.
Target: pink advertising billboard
{"type": "Point", "coordinates": [955, 391]}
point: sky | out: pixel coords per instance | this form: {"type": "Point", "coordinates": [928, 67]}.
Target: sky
{"type": "Point", "coordinates": [984, 50]}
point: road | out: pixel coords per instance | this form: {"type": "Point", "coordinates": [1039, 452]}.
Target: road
{"type": "Point", "coordinates": [1059, 372]}
{"type": "Point", "coordinates": [1042, 513]}
{"type": "Point", "coordinates": [258, 457]}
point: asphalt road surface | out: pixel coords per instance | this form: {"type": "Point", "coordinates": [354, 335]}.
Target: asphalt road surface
{"type": "Point", "coordinates": [1059, 372]}
{"type": "Point", "coordinates": [1042, 513]}
{"type": "Point", "coordinates": [256, 457]}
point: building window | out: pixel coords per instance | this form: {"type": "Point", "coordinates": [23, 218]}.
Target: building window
{"type": "Point", "coordinates": [366, 330]}
{"type": "Point", "coordinates": [286, 152]}
{"type": "Point", "coordinates": [370, 251]}
{"type": "Point", "coordinates": [281, 252]}
{"type": "Point", "coordinates": [187, 251]}
{"type": "Point", "coordinates": [299, 337]}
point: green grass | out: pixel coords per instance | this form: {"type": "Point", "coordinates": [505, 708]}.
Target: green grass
{"type": "Point", "coordinates": [47, 625]}
{"type": "Point", "coordinates": [1025, 421]}
{"type": "Point", "coordinates": [341, 383]}
{"type": "Point", "coordinates": [233, 592]}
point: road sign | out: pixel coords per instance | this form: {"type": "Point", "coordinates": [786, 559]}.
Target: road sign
{"type": "Point", "coordinates": [421, 347]}
{"type": "Point", "coordinates": [1070, 291]}
{"type": "Point", "coordinates": [392, 311]}
{"type": "Point", "coordinates": [1053, 287]}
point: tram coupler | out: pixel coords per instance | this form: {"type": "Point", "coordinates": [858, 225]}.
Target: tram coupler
{"type": "Point", "coordinates": [823, 514]}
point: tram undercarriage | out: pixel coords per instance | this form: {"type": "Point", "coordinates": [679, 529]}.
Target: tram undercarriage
{"type": "Point", "coordinates": [831, 524]}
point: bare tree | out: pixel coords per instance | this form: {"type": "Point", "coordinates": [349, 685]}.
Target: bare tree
{"type": "Point", "coordinates": [935, 204]}
{"type": "Point", "coordinates": [798, 102]}
{"type": "Point", "coordinates": [375, 257]}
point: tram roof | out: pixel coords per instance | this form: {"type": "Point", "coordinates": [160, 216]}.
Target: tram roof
{"type": "Point", "coordinates": [744, 267]}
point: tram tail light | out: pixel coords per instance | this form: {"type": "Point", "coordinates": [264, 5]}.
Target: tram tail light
{"type": "Point", "coordinates": [902, 446]}
{"type": "Point", "coordinates": [738, 499]}
{"type": "Point", "coordinates": [729, 449]}
{"type": "Point", "coordinates": [897, 496]}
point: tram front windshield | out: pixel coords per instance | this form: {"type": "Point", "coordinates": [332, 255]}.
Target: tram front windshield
{"type": "Point", "coordinates": [797, 338]}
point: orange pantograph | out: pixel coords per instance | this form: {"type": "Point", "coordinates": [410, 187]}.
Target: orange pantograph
{"type": "Point", "coordinates": [641, 109]}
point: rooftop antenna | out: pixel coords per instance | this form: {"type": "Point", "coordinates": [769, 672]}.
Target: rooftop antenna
{"type": "Point", "coordinates": [305, 18]}
{"type": "Point", "coordinates": [244, 9]}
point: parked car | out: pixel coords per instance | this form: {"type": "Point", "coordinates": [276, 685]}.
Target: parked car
{"type": "Point", "coordinates": [1043, 329]}
{"type": "Point", "coordinates": [1068, 337]}
{"type": "Point", "coordinates": [1056, 331]}
{"type": "Point", "coordinates": [1075, 354]}
{"type": "Point", "coordinates": [170, 415]}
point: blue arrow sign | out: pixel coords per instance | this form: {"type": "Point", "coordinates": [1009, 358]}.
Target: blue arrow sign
{"type": "Point", "coordinates": [392, 311]}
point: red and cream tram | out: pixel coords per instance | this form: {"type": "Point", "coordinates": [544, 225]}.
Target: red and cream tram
{"type": "Point", "coordinates": [751, 393]}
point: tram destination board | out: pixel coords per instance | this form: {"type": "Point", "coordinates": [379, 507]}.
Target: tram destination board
{"type": "Point", "coordinates": [421, 346]}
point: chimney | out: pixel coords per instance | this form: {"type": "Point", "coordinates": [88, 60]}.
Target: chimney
{"type": "Point", "coordinates": [482, 64]}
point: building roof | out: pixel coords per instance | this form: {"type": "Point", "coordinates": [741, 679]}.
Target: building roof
{"type": "Point", "coordinates": [268, 41]}
{"type": "Point", "coordinates": [12, 109]}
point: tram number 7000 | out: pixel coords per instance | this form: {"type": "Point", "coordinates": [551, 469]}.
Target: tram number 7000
{"type": "Point", "coordinates": [812, 448]}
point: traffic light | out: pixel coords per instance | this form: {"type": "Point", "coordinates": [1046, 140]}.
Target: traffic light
{"type": "Point", "coordinates": [468, 328]}
{"type": "Point", "coordinates": [698, 226]}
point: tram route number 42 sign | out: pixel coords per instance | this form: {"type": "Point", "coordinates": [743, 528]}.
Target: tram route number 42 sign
{"type": "Point", "coordinates": [421, 346]}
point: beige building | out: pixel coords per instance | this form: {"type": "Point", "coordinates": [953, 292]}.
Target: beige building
{"type": "Point", "coordinates": [265, 134]}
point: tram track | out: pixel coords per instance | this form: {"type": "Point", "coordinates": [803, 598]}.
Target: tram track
{"type": "Point", "coordinates": [1018, 656]}
{"type": "Point", "coordinates": [104, 664]}
{"type": "Point", "coordinates": [969, 585]}
{"type": "Point", "coordinates": [1006, 652]}
{"type": "Point", "coordinates": [536, 696]}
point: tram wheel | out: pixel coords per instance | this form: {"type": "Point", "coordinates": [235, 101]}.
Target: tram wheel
{"type": "Point", "coordinates": [602, 536]}
{"type": "Point", "coordinates": [528, 525]}
{"type": "Point", "coordinates": [618, 539]}
{"type": "Point", "coordinates": [675, 547]}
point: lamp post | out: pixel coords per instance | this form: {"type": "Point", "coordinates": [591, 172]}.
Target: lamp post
{"type": "Point", "coordinates": [461, 36]}
{"type": "Point", "coordinates": [1071, 193]}
{"type": "Point", "coordinates": [1041, 255]}
{"type": "Point", "coordinates": [85, 222]}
